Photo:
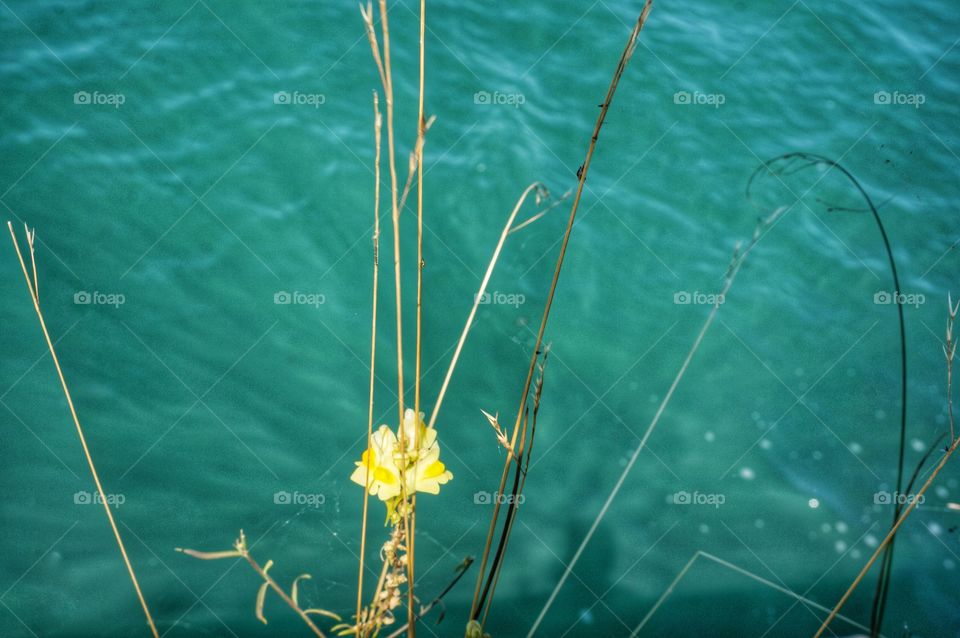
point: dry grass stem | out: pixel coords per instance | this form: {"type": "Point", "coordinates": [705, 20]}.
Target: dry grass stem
{"type": "Point", "coordinates": [615, 81]}
{"type": "Point", "coordinates": [33, 288]}
{"type": "Point", "coordinates": [240, 550]}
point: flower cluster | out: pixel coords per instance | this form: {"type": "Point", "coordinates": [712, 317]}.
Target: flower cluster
{"type": "Point", "coordinates": [386, 465]}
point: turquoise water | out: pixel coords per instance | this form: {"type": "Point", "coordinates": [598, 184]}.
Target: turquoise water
{"type": "Point", "coordinates": [199, 198]}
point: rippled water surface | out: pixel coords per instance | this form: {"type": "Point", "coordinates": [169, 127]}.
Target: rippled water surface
{"type": "Point", "coordinates": [193, 160]}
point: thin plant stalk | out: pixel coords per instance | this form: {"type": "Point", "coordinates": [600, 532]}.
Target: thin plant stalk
{"type": "Point", "coordinates": [395, 216]}
{"type": "Point", "coordinates": [507, 229]}
{"type": "Point", "coordinates": [461, 570]}
{"type": "Point", "coordinates": [33, 288]}
{"type": "Point", "coordinates": [734, 268]}
{"type": "Point", "coordinates": [421, 130]}
{"type": "Point", "coordinates": [240, 550]}
{"type": "Point", "coordinates": [621, 65]}
{"type": "Point", "coordinates": [521, 474]}
{"type": "Point", "coordinates": [889, 537]}
{"type": "Point", "coordinates": [377, 129]}
{"type": "Point", "coordinates": [739, 570]}
{"type": "Point", "coordinates": [950, 349]}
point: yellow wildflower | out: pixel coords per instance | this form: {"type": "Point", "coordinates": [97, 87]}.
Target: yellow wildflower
{"type": "Point", "coordinates": [382, 465]}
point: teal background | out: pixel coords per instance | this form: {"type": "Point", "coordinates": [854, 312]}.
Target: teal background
{"type": "Point", "coordinates": [199, 198]}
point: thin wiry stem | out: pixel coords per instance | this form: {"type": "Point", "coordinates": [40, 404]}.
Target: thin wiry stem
{"type": "Point", "coordinates": [889, 537]}
{"type": "Point", "coordinates": [240, 550]}
{"type": "Point", "coordinates": [621, 65]}
{"type": "Point", "coordinates": [421, 129]}
{"type": "Point", "coordinates": [949, 351]}
{"type": "Point", "coordinates": [33, 288]}
{"type": "Point", "coordinates": [740, 570]}
{"type": "Point", "coordinates": [461, 570]}
{"type": "Point", "coordinates": [477, 298]}
{"type": "Point", "coordinates": [520, 480]}
{"type": "Point", "coordinates": [395, 210]}
{"type": "Point", "coordinates": [377, 128]}
{"type": "Point", "coordinates": [733, 269]}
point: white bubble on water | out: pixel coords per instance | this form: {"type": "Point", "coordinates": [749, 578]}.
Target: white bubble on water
{"type": "Point", "coordinates": [856, 448]}
{"type": "Point", "coordinates": [879, 415]}
{"type": "Point", "coordinates": [948, 563]}
{"type": "Point", "coordinates": [841, 527]}
{"type": "Point", "coordinates": [704, 528]}
{"type": "Point", "coordinates": [817, 455]}
{"type": "Point", "coordinates": [825, 528]}
{"type": "Point", "coordinates": [935, 529]}
{"type": "Point", "coordinates": [709, 437]}
{"type": "Point", "coordinates": [747, 474]}
{"type": "Point", "coordinates": [840, 547]}
{"type": "Point", "coordinates": [855, 554]}
{"type": "Point", "coordinates": [870, 540]}
{"type": "Point", "coordinates": [918, 445]}
{"type": "Point", "coordinates": [814, 504]}
{"type": "Point", "coordinates": [759, 523]}
{"type": "Point", "coordinates": [766, 444]}
{"type": "Point", "coordinates": [942, 492]}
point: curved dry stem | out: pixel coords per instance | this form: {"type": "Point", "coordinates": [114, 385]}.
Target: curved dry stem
{"type": "Point", "coordinates": [240, 550]}
{"type": "Point", "coordinates": [476, 301]}
{"type": "Point", "coordinates": [585, 169]}
{"type": "Point", "coordinates": [33, 288]}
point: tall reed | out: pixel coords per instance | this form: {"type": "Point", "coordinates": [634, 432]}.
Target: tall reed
{"type": "Point", "coordinates": [33, 287]}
